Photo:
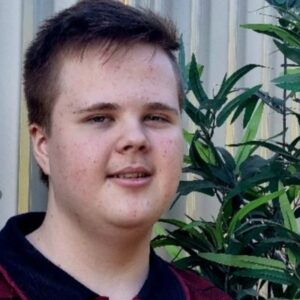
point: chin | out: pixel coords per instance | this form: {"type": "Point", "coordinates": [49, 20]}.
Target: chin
{"type": "Point", "coordinates": [136, 221]}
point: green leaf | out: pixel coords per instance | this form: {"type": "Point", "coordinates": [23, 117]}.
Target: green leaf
{"type": "Point", "coordinates": [293, 70]}
{"type": "Point", "coordinates": [287, 212]}
{"type": "Point", "coordinates": [244, 211]}
{"type": "Point", "coordinates": [172, 251]}
{"type": "Point", "coordinates": [292, 292]}
{"type": "Point", "coordinates": [274, 148]}
{"type": "Point", "coordinates": [187, 160]}
{"type": "Point", "coordinates": [185, 263]}
{"type": "Point", "coordinates": [195, 82]}
{"type": "Point", "coordinates": [228, 84]}
{"type": "Point", "coordinates": [275, 103]}
{"type": "Point", "coordinates": [275, 31]}
{"type": "Point", "coordinates": [292, 53]}
{"type": "Point", "coordinates": [260, 225]}
{"type": "Point", "coordinates": [249, 110]}
{"type": "Point", "coordinates": [249, 134]}
{"type": "Point", "coordinates": [208, 231]}
{"type": "Point", "coordinates": [182, 64]}
{"type": "Point", "coordinates": [280, 277]}
{"type": "Point", "coordinates": [188, 137]}
{"type": "Point", "coordinates": [202, 186]}
{"type": "Point", "coordinates": [205, 153]}
{"type": "Point", "coordinates": [289, 82]}
{"type": "Point", "coordinates": [175, 222]}
{"type": "Point", "coordinates": [181, 55]}
{"type": "Point", "coordinates": [282, 238]}
{"type": "Point", "coordinates": [294, 143]}
{"type": "Point", "coordinates": [189, 243]}
{"type": "Point", "coordinates": [252, 166]}
{"type": "Point", "coordinates": [244, 261]}
{"type": "Point", "coordinates": [229, 162]}
{"type": "Point", "coordinates": [242, 294]}
{"type": "Point", "coordinates": [234, 103]}
{"type": "Point", "coordinates": [194, 113]}
{"type": "Point", "coordinates": [249, 107]}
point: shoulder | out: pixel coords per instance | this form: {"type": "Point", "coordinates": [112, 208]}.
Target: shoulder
{"type": "Point", "coordinates": [197, 288]}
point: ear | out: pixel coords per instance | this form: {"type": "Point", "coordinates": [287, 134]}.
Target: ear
{"type": "Point", "coordinates": [39, 141]}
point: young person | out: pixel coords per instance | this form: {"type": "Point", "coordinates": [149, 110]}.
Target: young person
{"type": "Point", "coordinates": [104, 100]}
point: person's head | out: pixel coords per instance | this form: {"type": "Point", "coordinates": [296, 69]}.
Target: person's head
{"type": "Point", "coordinates": [104, 101]}
{"type": "Point", "coordinates": [104, 24]}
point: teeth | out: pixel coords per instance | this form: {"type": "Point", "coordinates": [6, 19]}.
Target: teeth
{"type": "Point", "coordinates": [131, 175]}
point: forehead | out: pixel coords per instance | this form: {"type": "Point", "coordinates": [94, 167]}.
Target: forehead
{"type": "Point", "coordinates": [114, 57]}
{"type": "Point", "coordinates": [137, 69]}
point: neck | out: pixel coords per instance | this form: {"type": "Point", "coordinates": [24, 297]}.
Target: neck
{"type": "Point", "coordinates": [101, 260]}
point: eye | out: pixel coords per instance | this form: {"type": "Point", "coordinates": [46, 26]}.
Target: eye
{"type": "Point", "coordinates": [100, 119]}
{"type": "Point", "coordinates": [157, 118]}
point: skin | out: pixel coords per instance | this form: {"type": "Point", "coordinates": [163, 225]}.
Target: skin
{"type": "Point", "coordinates": [114, 160]}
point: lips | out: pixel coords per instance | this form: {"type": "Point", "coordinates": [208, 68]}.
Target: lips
{"type": "Point", "coordinates": [131, 176]}
{"type": "Point", "coordinates": [131, 172]}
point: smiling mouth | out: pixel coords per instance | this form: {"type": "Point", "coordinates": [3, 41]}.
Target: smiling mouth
{"type": "Point", "coordinates": [130, 175]}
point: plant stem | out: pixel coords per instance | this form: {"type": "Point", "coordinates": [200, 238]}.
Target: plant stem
{"type": "Point", "coordinates": [284, 105]}
{"type": "Point", "coordinates": [220, 199]}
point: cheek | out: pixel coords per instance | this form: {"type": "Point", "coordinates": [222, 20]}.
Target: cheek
{"type": "Point", "coordinates": [171, 157]}
{"type": "Point", "coordinates": [71, 159]}
{"type": "Point", "coordinates": [172, 149]}
{"type": "Point", "coordinates": [170, 168]}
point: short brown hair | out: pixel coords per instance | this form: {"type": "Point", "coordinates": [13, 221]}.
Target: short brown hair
{"type": "Point", "coordinates": [84, 25]}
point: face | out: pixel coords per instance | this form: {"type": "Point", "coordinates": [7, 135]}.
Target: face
{"type": "Point", "coordinates": [115, 150]}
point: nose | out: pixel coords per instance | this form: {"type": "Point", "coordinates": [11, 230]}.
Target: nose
{"type": "Point", "coordinates": [133, 138]}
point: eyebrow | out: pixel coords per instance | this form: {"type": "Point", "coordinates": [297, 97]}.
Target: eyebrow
{"type": "Point", "coordinates": [108, 106]}
{"type": "Point", "coordinates": [99, 106]}
{"type": "Point", "coordinates": [162, 107]}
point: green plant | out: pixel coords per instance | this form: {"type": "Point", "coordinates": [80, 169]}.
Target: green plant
{"type": "Point", "coordinates": [251, 249]}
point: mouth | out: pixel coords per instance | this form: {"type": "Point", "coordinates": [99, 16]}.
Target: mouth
{"type": "Point", "coordinates": [130, 175]}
